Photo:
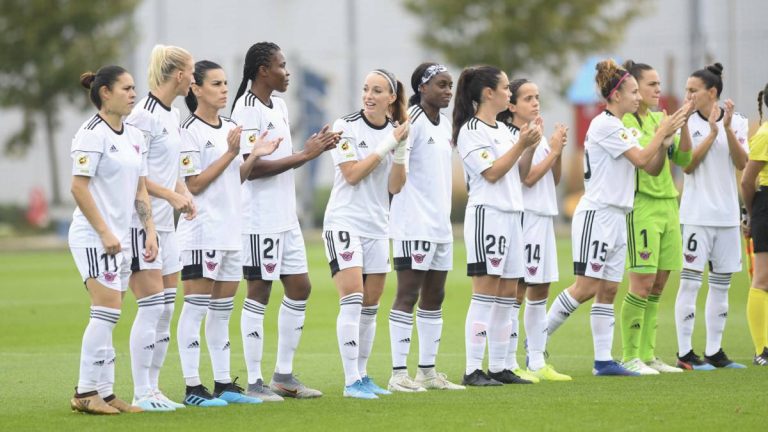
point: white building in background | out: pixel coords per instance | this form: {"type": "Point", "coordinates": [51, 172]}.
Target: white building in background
{"type": "Point", "coordinates": [343, 39]}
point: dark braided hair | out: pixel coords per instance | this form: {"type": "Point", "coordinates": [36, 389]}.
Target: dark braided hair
{"type": "Point", "coordinates": [711, 76]}
{"type": "Point", "coordinates": [415, 99]}
{"type": "Point", "coordinates": [258, 55]}
{"type": "Point", "coordinates": [762, 98]}
{"type": "Point", "coordinates": [506, 116]}
{"type": "Point", "coordinates": [201, 69]}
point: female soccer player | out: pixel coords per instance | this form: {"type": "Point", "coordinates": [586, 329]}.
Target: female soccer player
{"type": "Point", "coordinates": [539, 250]}
{"type": "Point", "coordinates": [421, 232]}
{"type": "Point", "coordinates": [653, 229]}
{"type": "Point", "coordinates": [154, 284]}
{"type": "Point", "coordinates": [598, 232]}
{"type": "Point", "coordinates": [709, 214]}
{"type": "Point", "coordinates": [272, 243]}
{"type": "Point", "coordinates": [356, 223]}
{"type": "Point", "coordinates": [756, 226]}
{"type": "Point", "coordinates": [108, 182]}
{"type": "Point", "coordinates": [210, 163]}
{"type": "Point", "coordinates": [492, 221]}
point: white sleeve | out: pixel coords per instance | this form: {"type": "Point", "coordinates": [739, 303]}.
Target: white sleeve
{"type": "Point", "coordinates": [189, 156]}
{"type": "Point", "coordinates": [741, 130]}
{"type": "Point", "coordinates": [345, 150]}
{"type": "Point", "coordinates": [618, 142]}
{"type": "Point", "coordinates": [87, 148]}
{"type": "Point", "coordinates": [475, 151]}
{"type": "Point", "coordinates": [250, 119]}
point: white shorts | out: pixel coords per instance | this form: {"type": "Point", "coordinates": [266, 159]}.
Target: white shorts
{"type": "Point", "coordinates": [539, 249]}
{"type": "Point", "coordinates": [168, 255]}
{"type": "Point", "coordinates": [269, 256]}
{"type": "Point", "coordinates": [344, 250]}
{"type": "Point", "coordinates": [718, 246]}
{"type": "Point", "coordinates": [112, 271]}
{"type": "Point", "coordinates": [490, 235]}
{"type": "Point", "coordinates": [422, 255]}
{"type": "Point", "coordinates": [599, 244]}
{"type": "Point", "coordinates": [218, 265]}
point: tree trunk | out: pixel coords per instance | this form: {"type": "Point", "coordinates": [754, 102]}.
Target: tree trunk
{"type": "Point", "coordinates": [50, 126]}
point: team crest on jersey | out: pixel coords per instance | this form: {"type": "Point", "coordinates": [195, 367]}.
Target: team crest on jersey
{"type": "Point", "coordinates": [252, 138]}
{"type": "Point", "coordinates": [689, 258]}
{"type": "Point", "coordinates": [211, 265]}
{"type": "Point", "coordinates": [741, 140]}
{"type": "Point", "coordinates": [645, 255]}
{"type": "Point", "coordinates": [270, 267]}
{"type": "Point", "coordinates": [109, 276]}
{"type": "Point", "coordinates": [83, 162]}
{"type": "Point", "coordinates": [347, 256]}
{"type": "Point", "coordinates": [137, 148]}
{"type": "Point", "coordinates": [596, 267]}
{"type": "Point", "coordinates": [532, 270]}
{"type": "Point", "coordinates": [635, 133]}
{"type": "Point", "coordinates": [484, 154]}
{"type": "Point", "coordinates": [624, 135]}
{"type": "Point", "coordinates": [419, 258]}
{"type": "Point", "coordinates": [495, 261]}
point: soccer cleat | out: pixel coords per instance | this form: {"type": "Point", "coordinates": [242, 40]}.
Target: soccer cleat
{"type": "Point", "coordinates": [721, 361]}
{"type": "Point", "coordinates": [121, 405]}
{"type": "Point", "coordinates": [232, 393]}
{"type": "Point", "coordinates": [150, 403]}
{"type": "Point", "coordinates": [358, 390]}
{"type": "Point", "coordinates": [522, 373]}
{"type": "Point", "coordinates": [691, 361]}
{"type": "Point", "coordinates": [611, 368]}
{"type": "Point", "coordinates": [761, 359]}
{"type": "Point", "coordinates": [662, 367]}
{"type": "Point", "coordinates": [479, 378]}
{"type": "Point", "coordinates": [200, 396]}
{"type": "Point", "coordinates": [637, 365]}
{"type": "Point", "coordinates": [260, 391]}
{"type": "Point", "coordinates": [91, 403]}
{"type": "Point", "coordinates": [401, 382]}
{"type": "Point", "coordinates": [373, 387]}
{"type": "Point", "coordinates": [507, 377]}
{"type": "Point", "coordinates": [287, 385]}
{"type": "Point", "coordinates": [163, 398]}
{"type": "Point", "coordinates": [435, 380]}
{"type": "Point", "coordinates": [548, 373]}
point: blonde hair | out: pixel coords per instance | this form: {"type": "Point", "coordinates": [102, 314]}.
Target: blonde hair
{"type": "Point", "coordinates": [163, 61]}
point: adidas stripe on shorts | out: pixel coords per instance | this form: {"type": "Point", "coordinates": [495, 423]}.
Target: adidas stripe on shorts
{"type": "Point", "coordinates": [539, 249]}
{"type": "Point", "coordinates": [345, 250]}
{"type": "Point", "coordinates": [217, 265]}
{"type": "Point", "coordinates": [422, 255]}
{"type": "Point", "coordinates": [494, 240]}
{"type": "Point", "coordinates": [599, 243]}
{"type": "Point", "coordinates": [168, 256]}
{"type": "Point", "coordinates": [716, 247]}
{"type": "Point", "coordinates": [269, 256]}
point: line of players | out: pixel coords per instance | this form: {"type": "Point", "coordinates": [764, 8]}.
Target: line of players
{"type": "Point", "coordinates": [120, 238]}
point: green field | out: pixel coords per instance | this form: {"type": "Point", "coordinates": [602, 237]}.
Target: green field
{"type": "Point", "coordinates": [43, 311]}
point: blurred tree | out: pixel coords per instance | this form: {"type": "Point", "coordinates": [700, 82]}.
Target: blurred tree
{"type": "Point", "coordinates": [518, 35]}
{"type": "Point", "coordinates": [44, 47]}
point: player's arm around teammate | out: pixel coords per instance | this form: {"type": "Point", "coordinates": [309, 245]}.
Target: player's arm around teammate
{"type": "Point", "coordinates": [369, 162]}
{"type": "Point", "coordinates": [107, 184]}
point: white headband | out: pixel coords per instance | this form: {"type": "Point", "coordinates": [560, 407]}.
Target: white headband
{"type": "Point", "coordinates": [432, 71]}
{"type": "Point", "coordinates": [390, 78]}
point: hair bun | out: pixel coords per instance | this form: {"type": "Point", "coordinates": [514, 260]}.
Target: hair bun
{"type": "Point", "coordinates": [716, 69]}
{"type": "Point", "coordinates": [86, 79]}
{"type": "Point", "coordinates": [629, 64]}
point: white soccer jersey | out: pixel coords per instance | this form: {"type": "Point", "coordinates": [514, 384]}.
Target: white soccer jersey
{"type": "Point", "coordinates": [710, 196]}
{"type": "Point", "coordinates": [362, 209]}
{"type": "Point", "coordinates": [269, 203]}
{"type": "Point", "coordinates": [218, 222]}
{"type": "Point", "coordinates": [479, 145]}
{"type": "Point", "coordinates": [422, 209]}
{"type": "Point", "coordinates": [114, 160]}
{"type": "Point", "coordinates": [541, 198]}
{"type": "Point", "coordinates": [609, 178]}
{"type": "Point", "coordinates": [160, 125]}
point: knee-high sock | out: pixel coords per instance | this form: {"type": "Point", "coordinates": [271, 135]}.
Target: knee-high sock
{"type": "Point", "coordinates": [367, 334]}
{"type": "Point", "coordinates": [602, 322]}
{"type": "Point", "coordinates": [562, 308]}
{"type": "Point", "coordinates": [400, 331]}
{"type": "Point", "coordinates": [163, 337]}
{"type": "Point", "coordinates": [96, 350]}
{"type": "Point", "coordinates": [142, 341]}
{"type": "Point", "coordinates": [510, 360]}
{"type": "Point", "coordinates": [476, 330]}
{"type": "Point", "coordinates": [650, 324]}
{"type": "Point", "coordinates": [685, 309]}
{"type": "Point", "coordinates": [290, 325]}
{"type": "Point", "coordinates": [107, 376]}
{"type": "Point", "coordinates": [252, 331]}
{"type": "Point", "coordinates": [348, 335]}
{"type": "Point", "coordinates": [535, 319]}
{"type": "Point", "coordinates": [188, 336]}
{"type": "Point", "coordinates": [632, 321]}
{"type": "Point", "coordinates": [217, 336]}
{"type": "Point", "coordinates": [757, 317]}
{"type": "Point", "coordinates": [716, 310]}
{"type": "Point", "coordinates": [429, 325]}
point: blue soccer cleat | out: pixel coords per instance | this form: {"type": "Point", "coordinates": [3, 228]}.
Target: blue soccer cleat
{"type": "Point", "coordinates": [358, 390]}
{"type": "Point", "coordinates": [201, 397]}
{"type": "Point", "coordinates": [372, 387]}
{"type": "Point", "coordinates": [721, 361]}
{"type": "Point", "coordinates": [611, 368]}
{"type": "Point", "coordinates": [233, 393]}
{"type": "Point", "coordinates": [691, 361]}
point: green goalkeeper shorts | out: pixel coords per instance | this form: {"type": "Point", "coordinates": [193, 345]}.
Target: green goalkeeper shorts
{"type": "Point", "coordinates": [654, 241]}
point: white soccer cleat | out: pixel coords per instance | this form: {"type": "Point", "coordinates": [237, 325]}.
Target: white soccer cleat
{"type": "Point", "coordinates": [401, 382]}
{"type": "Point", "coordinates": [662, 367]}
{"type": "Point", "coordinates": [435, 380]}
{"type": "Point", "coordinates": [637, 365]}
{"type": "Point", "coordinates": [150, 403]}
{"type": "Point", "coordinates": [163, 398]}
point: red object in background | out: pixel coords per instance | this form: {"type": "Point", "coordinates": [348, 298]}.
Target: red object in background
{"type": "Point", "coordinates": [37, 212]}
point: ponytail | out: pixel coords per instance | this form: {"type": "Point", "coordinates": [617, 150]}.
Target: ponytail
{"type": "Point", "coordinates": [399, 109]}
{"type": "Point", "coordinates": [469, 91]}
{"type": "Point", "coordinates": [258, 55]}
{"type": "Point", "coordinates": [198, 78]}
{"type": "Point", "coordinates": [163, 61]}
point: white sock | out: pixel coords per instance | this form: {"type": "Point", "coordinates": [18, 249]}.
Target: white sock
{"type": "Point", "coordinates": [562, 308]}
{"type": "Point", "coordinates": [429, 325]}
{"type": "Point", "coordinates": [107, 376]}
{"type": "Point", "coordinates": [188, 336]}
{"type": "Point", "coordinates": [716, 310]}
{"type": "Point", "coordinates": [685, 309]}
{"type": "Point", "coordinates": [499, 333]}
{"type": "Point", "coordinates": [535, 319]}
{"type": "Point", "coordinates": [163, 337]}
{"type": "Point", "coordinates": [142, 341]}
{"type": "Point", "coordinates": [97, 347]}
{"type": "Point", "coordinates": [367, 334]}
{"type": "Point", "coordinates": [400, 331]}
{"type": "Point", "coordinates": [290, 325]}
{"type": "Point", "coordinates": [476, 330]}
{"type": "Point", "coordinates": [510, 361]}
{"type": "Point", "coordinates": [348, 334]}
{"type": "Point", "coordinates": [252, 331]}
{"type": "Point", "coordinates": [217, 337]}
{"type": "Point", "coordinates": [602, 321]}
